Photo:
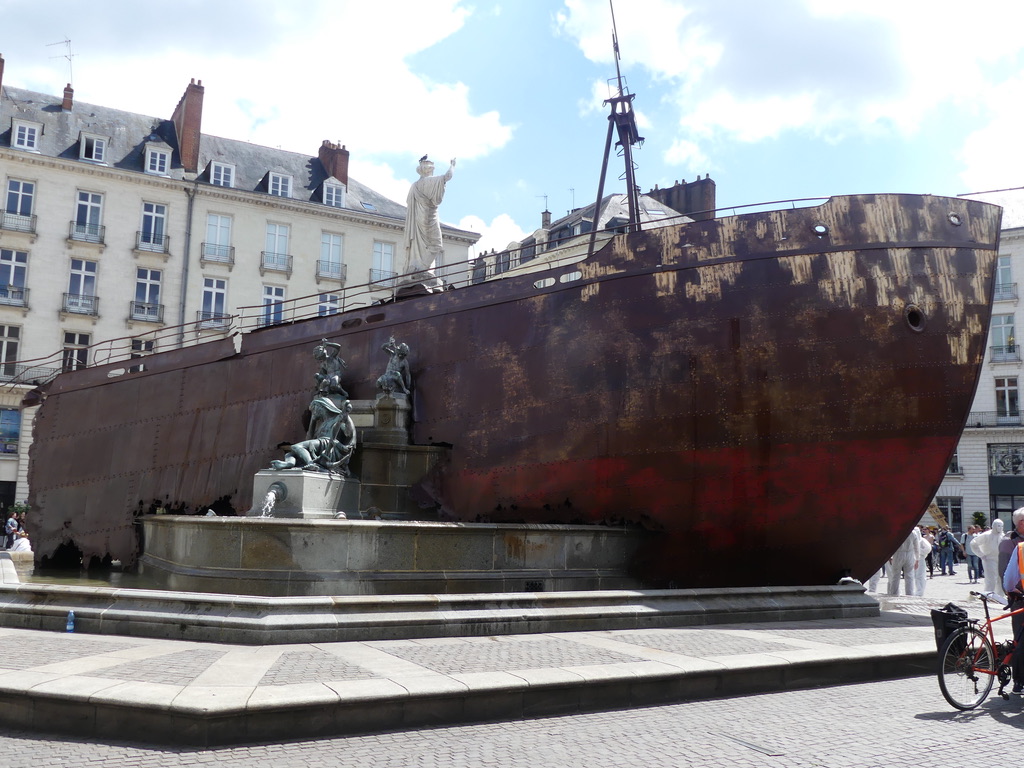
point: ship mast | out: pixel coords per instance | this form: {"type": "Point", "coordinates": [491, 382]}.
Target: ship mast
{"type": "Point", "coordinates": [622, 121]}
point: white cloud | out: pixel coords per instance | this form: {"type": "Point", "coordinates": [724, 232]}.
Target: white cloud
{"type": "Point", "coordinates": [686, 154]}
{"type": "Point", "coordinates": [497, 235]}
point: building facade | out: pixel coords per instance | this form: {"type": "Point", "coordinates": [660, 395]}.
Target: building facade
{"type": "Point", "coordinates": [987, 472]}
{"type": "Point", "coordinates": [123, 234]}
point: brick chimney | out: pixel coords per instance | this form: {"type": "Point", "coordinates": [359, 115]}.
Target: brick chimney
{"type": "Point", "coordinates": [695, 199]}
{"type": "Point", "coordinates": [69, 98]}
{"type": "Point", "coordinates": [188, 122]}
{"type": "Point", "coordinates": [1, 70]}
{"type": "Point", "coordinates": [545, 219]}
{"type": "Point", "coordinates": [335, 160]}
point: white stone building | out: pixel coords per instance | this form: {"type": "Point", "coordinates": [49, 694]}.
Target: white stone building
{"type": "Point", "coordinates": [987, 472]}
{"type": "Point", "coordinates": [123, 234]}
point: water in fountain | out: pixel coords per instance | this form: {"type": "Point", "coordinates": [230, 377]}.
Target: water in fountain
{"type": "Point", "coordinates": [267, 508]}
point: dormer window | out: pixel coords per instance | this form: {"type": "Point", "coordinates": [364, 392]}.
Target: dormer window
{"type": "Point", "coordinates": [280, 185]}
{"type": "Point", "coordinates": [334, 195]}
{"type": "Point", "coordinates": [93, 148]}
{"type": "Point", "coordinates": [222, 174]}
{"type": "Point", "coordinates": [157, 160]}
{"type": "Point", "coordinates": [25, 135]}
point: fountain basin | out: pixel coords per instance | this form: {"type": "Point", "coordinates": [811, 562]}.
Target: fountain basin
{"type": "Point", "coordinates": [311, 557]}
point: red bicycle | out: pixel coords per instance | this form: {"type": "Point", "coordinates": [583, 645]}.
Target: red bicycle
{"type": "Point", "coordinates": [970, 658]}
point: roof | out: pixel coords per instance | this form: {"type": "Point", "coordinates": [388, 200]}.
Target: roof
{"type": "Point", "coordinates": [129, 133]}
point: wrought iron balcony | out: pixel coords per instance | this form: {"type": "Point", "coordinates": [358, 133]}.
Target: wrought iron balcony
{"type": "Point", "coordinates": [14, 295]}
{"type": "Point", "coordinates": [983, 419]}
{"type": "Point", "coordinates": [217, 254]}
{"type": "Point", "coordinates": [1008, 353]}
{"type": "Point", "coordinates": [17, 223]}
{"type": "Point", "coordinates": [212, 320]}
{"type": "Point", "coordinates": [1005, 292]}
{"type": "Point", "coordinates": [81, 304]}
{"type": "Point", "coordinates": [146, 312]}
{"type": "Point", "coordinates": [27, 374]}
{"type": "Point", "coordinates": [275, 262]}
{"type": "Point", "coordinates": [332, 270]}
{"type": "Point", "coordinates": [87, 233]}
{"type": "Point", "coordinates": [152, 241]}
{"type": "Point", "coordinates": [381, 276]}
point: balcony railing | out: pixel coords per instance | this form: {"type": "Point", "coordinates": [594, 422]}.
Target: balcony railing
{"type": "Point", "coordinates": [146, 312]}
{"type": "Point", "coordinates": [383, 276]}
{"type": "Point", "coordinates": [218, 254]}
{"type": "Point", "coordinates": [152, 241]}
{"type": "Point", "coordinates": [982, 419]}
{"type": "Point", "coordinates": [87, 233]}
{"type": "Point", "coordinates": [81, 304]}
{"type": "Point", "coordinates": [212, 320]}
{"type": "Point", "coordinates": [17, 223]}
{"type": "Point", "coordinates": [27, 374]}
{"type": "Point", "coordinates": [1005, 292]}
{"type": "Point", "coordinates": [13, 295]}
{"type": "Point", "coordinates": [332, 270]}
{"type": "Point", "coordinates": [1009, 353]}
{"type": "Point", "coordinates": [275, 262]}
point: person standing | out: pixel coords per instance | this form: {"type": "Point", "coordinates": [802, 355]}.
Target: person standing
{"type": "Point", "coordinates": [986, 546]}
{"type": "Point", "coordinates": [973, 561]}
{"type": "Point", "coordinates": [904, 561]}
{"type": "Point", "coordinates": [924, 549]}
{"type": "Point", "coordinates": [947, 551]}
{"type": "Point", "coordinates": [10, 528]}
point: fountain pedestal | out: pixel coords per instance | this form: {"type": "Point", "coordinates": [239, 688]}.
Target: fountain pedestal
{"type": "Point", "coordinates": [309, 495]}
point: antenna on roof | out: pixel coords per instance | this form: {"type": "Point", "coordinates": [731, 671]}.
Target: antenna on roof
{"type": "Point", "coordinates": [69, 55]}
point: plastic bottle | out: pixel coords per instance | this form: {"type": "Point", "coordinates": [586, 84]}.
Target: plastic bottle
{"type": "Point", "coordinates": [71, 622]}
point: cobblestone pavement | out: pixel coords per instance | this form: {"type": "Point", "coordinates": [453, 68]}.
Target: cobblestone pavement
{"type": "Point", "coordinates": [886, 724]}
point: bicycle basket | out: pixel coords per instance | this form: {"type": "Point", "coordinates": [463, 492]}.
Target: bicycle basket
{"type": "Point", "coordinates": [947, 620]}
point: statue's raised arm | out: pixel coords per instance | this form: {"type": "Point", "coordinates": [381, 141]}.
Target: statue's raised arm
{"type": "Point", "coordinates": [422, 239]}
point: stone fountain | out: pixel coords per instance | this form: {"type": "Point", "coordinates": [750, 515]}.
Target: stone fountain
{"type": "Point", "coordinates": [335, 517]}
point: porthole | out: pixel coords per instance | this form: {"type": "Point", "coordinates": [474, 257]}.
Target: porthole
{"type": "Point", "coordinates": [955, 220]}
{"type": "Point", "coordinates": [915, 317]}
{"type": "Point", "coordinates": [352, 322]}
{"type": "Point", "coordinates": [547, 282]}
{"type": "Point", "coordinates": [568, 277]}
{"type": "Point", "coordinates": [820, 230]}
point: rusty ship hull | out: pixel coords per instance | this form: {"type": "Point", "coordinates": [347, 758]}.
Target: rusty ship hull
{"type": "Point", "coordinates": [775, 395]}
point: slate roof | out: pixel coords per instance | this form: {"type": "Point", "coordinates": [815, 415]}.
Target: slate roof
{"type": "Point", "coordinates": [129, 133]}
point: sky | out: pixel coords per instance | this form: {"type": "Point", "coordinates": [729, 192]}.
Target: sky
{"type": "Point", "coordinates": [774, 99]}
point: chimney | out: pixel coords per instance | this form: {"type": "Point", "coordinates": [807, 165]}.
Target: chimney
{"type": "Point", "coordinates": [1, 70]}
{"type": "Point", "coordinates": [545, 220]}
{"type": "Point", "coordinates": [69, 98]}
{"type": "Point", "coordinates": [334, 160]}
{"type": "Point", "coordinates": [188, 122]}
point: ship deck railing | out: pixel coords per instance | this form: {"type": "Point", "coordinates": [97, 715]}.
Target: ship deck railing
{"type": "Point", "coordinates": [541, 259]}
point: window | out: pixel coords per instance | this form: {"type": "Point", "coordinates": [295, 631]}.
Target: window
{"type": "Point", "coordinates": [383, 261]}
{"type": "Point", "coordinates": [20, 195]}
{"type": "Point", "coordinates": [146, 305]}
{"type": "Point", "coordinates": [1001, 508]}
{"type": "Point", "coordinates": [329, 304]}
{"type": "Point", "coordinates": [330, 256]}
{"type": "Point", "coordinates": [1004, 345]}
{"type": "Point", "coordinates": [953, 509]}
{"type": "Point", "coordinates": [25, 135]}
{"type": "Point", "coordinates": [218, 239]}
{"type": "Point", "coordinates": [81, 295]}
{"type": "Point", "coordinates": [157, 161]}
{"type": "Point", "coordinates": [334, 194]}
{"type": "Point", "coordinates": [1006, 459]}
{"type": "Point", "coordinates": [280, 185]}
{"type": "Point", "coordinates": [154, 225]}
{"type": "Point", "coordinates": [76, 351]}
{"type": "Point", "coordinates": [10, 337]}
{"type": "Point", "coordinates": [275, 255]}
{"type": "Point", "coordinates": [222, 174]}
{"type": "Point", "coordinates": [93, 148]}
{"type": "Point", "coordinates": [12, 276]}
{"type": "Point", "coordinates": [1005, 287]}
{"type": "Point", "coordinates": [954, 464]}
{"type": "Point", "coordinates": [1007, 400]}
{"type": "Point", "coordinates": [273, 305]}
{"type": "Point", "coordinates": [10, 429]}
{"type": "Point", "coordinates": [140, 348]}
{"type": "Point", "coordinates": [88, 215]}
{"type": "Point", "coordinates": [215, 294]}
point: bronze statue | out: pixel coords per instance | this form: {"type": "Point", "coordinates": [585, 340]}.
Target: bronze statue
{"type": "Point", "coordinates": [397, 376]}
{"type": "Point", "coordinates": [328, 378]}
{"type": "Point", "coordinates": [331, 440]}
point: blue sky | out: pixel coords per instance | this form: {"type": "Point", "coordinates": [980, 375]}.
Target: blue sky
{"type": "Point", "coordinates": [774, 99]}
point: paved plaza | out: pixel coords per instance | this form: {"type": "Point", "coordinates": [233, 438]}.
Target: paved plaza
{"type": "Point", "coordinates": [853, 724]}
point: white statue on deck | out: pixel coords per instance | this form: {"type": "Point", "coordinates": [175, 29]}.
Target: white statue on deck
{"type": "Point", "coordinates": [422, 227]}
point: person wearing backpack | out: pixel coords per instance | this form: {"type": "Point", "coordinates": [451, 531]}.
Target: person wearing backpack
{"type": "Point", "coordinates": [947, 549]}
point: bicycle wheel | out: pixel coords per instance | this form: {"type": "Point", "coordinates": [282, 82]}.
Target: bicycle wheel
{"type": "Point", "coordinates": [967, 668]}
